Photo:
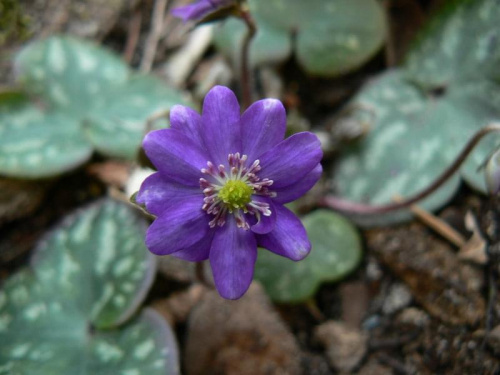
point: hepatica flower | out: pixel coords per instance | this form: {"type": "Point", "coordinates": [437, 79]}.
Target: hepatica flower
{"type": "Point", "coordinates": [200, 9]}
{"type": "Point", "coordinates": [221, 184]}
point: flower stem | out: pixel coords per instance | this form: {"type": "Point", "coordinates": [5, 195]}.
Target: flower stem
{"type": "Point", "coordinates": [346, 206]}
{"type": "Point", "coordinates": [245, 77]}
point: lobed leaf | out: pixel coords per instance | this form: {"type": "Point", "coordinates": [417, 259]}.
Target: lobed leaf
{"type": "Point", "coordinates": [336, 251]}
{"type": "Point", "coordinates": [329, 37]}
{"type": "Point", "coordinates": [87, 277]}
{"type": "Point", "coordinates": [34, 143]}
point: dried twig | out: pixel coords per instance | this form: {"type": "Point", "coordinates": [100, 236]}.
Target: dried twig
{"type": "Point", "coordinates": [134, 31]}
{"type": "Point", "coordinates": [154, 35]}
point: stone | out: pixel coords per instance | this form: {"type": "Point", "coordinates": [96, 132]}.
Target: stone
{"type": "Point", "coordinates": [243, 337]}
{"type": "Point", "coordinates": [345, 346]}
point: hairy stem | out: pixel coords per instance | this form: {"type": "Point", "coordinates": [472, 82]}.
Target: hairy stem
{"type": "Point", "coordinates": [340, 204]}
{"type": "Point", "coordinates": [245, 78]}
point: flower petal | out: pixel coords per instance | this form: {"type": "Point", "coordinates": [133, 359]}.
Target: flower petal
{"type": "Point", "coordinates": [175, 155]}
{"type": "Point", "coordinates": [291, 160]}
{"type": "Point", "coordinates": [187, 121]}
{"type": "Point", "coordinates": [181, 226]}
{"type": "Point", "coordinates": [232, 257]}
{"type": "Point", "coordinates": [289, 237]}
{"type": "Point", "coordinates": [290, 193]}
{"type": "Point", "coordinates": [266, 223]}
{"type": "Point", "coordinates": [158, 193]}
{"type": "Point", "coordinates": [263, 126]}
{"type": "Point", "coordinates": [193, 11]}
{"type": "Point", "coordinates": [221, 124]}
{"type": "Point", "coordinates": [197, 252]}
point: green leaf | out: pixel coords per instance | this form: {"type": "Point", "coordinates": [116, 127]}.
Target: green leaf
{"type": "Point", "coordinates": [69, 73]}
{"type": "Point", "coordinates": [461, 44]}
{"type": "Point", "coordinates": [412, 140]}
{"type": "Point", "coordinates": [34, 143]}
{"type": "Point", "coordinates": [422, 115]}
{"type": "Point", "coordinates": [331, 37]}
{"type": "Point", "coordinates": [91, 100]}
{"type": "Point", "coordinates": [336, 251]}
{"type": "Point", "coordinates": [117, 125]}
{"type": "Point", "coordinates": [97, 257]}
{"type": "Point", "coordinates": [91, 273]}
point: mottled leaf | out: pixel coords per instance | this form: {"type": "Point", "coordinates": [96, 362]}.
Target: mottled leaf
{"type": "Point", "coordinates": [462, 43]}
{"type": "Point", "coordinates": [69, 73]}
{"type": "Point", "coordinates": [91, 273]}
{"type": "Point", "coordinates": [336, 251]}
{"type": "Point", "coordinates": [35, 143]}
{"type": "Point", "coordinates": [118, 123]}
{"type": "Point", "coordinates": [330, 37]}
{"type": "Point", "coordinates": [97, 257]}
{"type": "Point", "coordinates": [415, 135]}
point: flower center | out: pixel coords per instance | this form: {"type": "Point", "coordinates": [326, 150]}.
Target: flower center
{"type": "Point", "coordinates": [234, 191]}
{"type": "Point", "coordinates": [236, 194]}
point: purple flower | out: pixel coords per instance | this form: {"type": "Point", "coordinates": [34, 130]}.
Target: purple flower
{"type": "Point", "coordinates": [221, 184]}
{"type": "Point", "coordinates": [200, 9]}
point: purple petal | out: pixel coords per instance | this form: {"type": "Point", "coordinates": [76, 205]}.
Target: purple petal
{"type": "Point", "coordinates": [289, 237]}
{"type": "Point", "coordinates": [290, 193]}
{"type": "Point", "coordinates": [187, 121]}
{"type": "Point", "coordinates": [263, 126]}
{"type": "Point", "coordinates": [175, 155]}
{"type": "Point", "coordinates": [266, 223]}
{"type": "Point", "coordinates": [181, 226]}
{"type": "Point", "coordinates": [193, 11]}
{"type": "Point", "coordinates": [197, 252]}
{"type": "Point", "coordinates": [158, 193]}
{"type": "Point", "coordinates": [232, 257]}
{"type": "Point", "coordinates": [291, 160]}
{"type": "Point", "coordinates": [221, 124]}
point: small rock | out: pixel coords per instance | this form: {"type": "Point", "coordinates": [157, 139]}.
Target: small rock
{"type": "Point", "coordinates": [413, 316]}
{"type": "Point", "coordinates": [373, 367]}
{"type": "Point", "coordinates": [447, 288]}
{"type": "Point", "coordinates": [345, 346]}
{"type": "Point", "coordinates": [177, 307]}
{"type": "Point", "coordinates": [355, 301]}
{"type": "Point", "coordinates": [494, 340]}
{"type": "Point", "coordinates": [398, 297]}
{"type": "Point", "coordinates": [244, 337]}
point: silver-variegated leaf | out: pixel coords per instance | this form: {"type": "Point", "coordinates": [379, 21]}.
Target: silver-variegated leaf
{"type": "Point", "coordinates": [34, 143]}
{"type": "Point", "coordinates": [117, 125]}
{"type": "Point", "coordinates": [69, 73]}
{"type": "Point", "coordinates": [97, 257]}
{"type": "Point", "coordinates": [63, 315]}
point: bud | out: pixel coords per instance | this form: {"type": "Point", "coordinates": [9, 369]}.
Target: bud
{"type": "Point", "coordinates": [492, 173]}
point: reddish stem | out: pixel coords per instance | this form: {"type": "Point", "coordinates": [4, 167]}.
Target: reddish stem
{"type": "Point", "coordinates": [340, 204]}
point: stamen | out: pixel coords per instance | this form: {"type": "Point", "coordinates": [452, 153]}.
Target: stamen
{"type": "Point", "coordinates": [231, 192]}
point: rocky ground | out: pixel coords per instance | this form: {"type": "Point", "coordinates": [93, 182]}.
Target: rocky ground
{"type": "Point", "coordinates": [418, 304]}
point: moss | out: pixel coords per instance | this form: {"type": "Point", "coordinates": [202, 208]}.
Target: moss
{"type": "Point", "coordinates": [13, 23]}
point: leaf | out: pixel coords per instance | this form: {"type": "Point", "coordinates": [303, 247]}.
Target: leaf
{"type": "Point", "coordinates": [336, 251]}
{"type": "Point", "coordinates": [331, 37]}
{"type": "Point", "coordinates": [91, 273]}
{"type": "Point", "coordinates": [117, 125]}
{"type": "Point", "coordinates": [461, 44]}
{"type": "Point", "coordinates": [410, 143]}
{"type": "Point", "coordinates": [36, 144]}
{"type": "Point", "coordinates": [68, 72]}
{"type": "Point", "coordinates": [89, 95]}
{"type": "Point", "coordinates": [422, 115]}
{"type": "Point", "coordinates": [97, 257]}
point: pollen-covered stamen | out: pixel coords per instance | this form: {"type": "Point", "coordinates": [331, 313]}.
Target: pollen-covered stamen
{"type": "Point", "coordinates": [231, 190]}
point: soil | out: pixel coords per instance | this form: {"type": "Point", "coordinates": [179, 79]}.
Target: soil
{"type": "Point", "coordinates": [421, 308]}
